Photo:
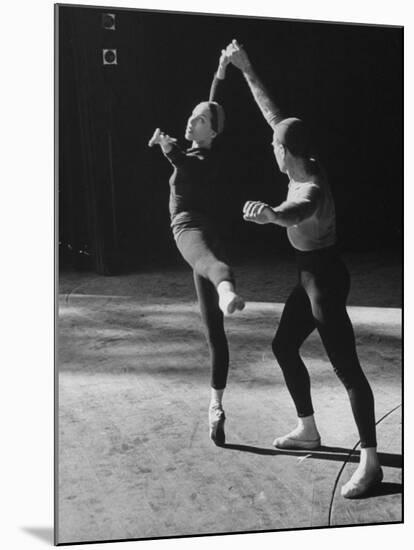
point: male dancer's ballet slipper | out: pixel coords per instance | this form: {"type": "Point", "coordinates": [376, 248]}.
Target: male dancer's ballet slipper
{"type": "Point", "coordinates": [291, 442]}
{"type": "Point", "coordinates": [357, 489]}
{"type": "Point", "coordinates": [229, 302]}
{"type": "Point", "coordinates": [216, 418]}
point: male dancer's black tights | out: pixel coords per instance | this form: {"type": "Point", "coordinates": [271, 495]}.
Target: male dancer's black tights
{"type": "Point", "coordinates": [202, 250]}
{"type": "Point", "coordinates": [318, 301]}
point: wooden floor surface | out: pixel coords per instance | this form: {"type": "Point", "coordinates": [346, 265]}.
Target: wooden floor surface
{"type": "Point", "coordinates": [135, 460]}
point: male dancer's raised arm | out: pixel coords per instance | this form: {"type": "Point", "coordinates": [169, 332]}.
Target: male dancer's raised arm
{"type": "Point", "coordinates": [238, 56]}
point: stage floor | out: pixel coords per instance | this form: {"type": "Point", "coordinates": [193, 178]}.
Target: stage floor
{"type": "Point", "coordinates": [135, 460]}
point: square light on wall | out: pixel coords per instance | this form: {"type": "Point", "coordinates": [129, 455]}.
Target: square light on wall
{"type": "Point", "coordinates": [109, 21]}
{"type": "Point", "coordinates": [109, 57]}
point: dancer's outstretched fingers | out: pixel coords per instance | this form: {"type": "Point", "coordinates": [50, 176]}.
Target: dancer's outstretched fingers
{"type": "Point", "coordinates": [155, 138]}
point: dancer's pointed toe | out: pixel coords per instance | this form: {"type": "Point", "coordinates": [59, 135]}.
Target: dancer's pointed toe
{"type": "Point", "coordinates": [216, 418]}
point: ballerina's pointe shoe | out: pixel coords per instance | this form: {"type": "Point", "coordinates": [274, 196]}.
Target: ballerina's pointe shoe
{"type": "Point", "coordinates": [230, 302]}
{"type": "Point", "coordinates": [292, 442]}
{"type": "Point", "coordinates": [216, 418]}
{"type": "Point", "coordinates": [363, 485]}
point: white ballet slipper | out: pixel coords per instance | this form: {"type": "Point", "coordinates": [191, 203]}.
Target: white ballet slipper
{"type": "Point", "coordinates": [292, 442]}
{"type": "Point", "coordinates": [360, 487]}
{"type": "Point", "coordinates": [229, 302]}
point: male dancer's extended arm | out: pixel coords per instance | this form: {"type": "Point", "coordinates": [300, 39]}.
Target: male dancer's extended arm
{"type": "Point", "coordinates": [238, 56]}
{"type": "Point", "coordinates": [289, 212]}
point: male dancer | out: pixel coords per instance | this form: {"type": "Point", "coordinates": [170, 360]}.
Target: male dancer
{"type": "Point", "coordinates": [319, 298]}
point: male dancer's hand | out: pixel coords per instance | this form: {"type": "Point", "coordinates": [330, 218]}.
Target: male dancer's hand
{"type": "Point", "coordinates": [163, 140]}
{"type": "Point", "coordinates": [237, 55]}
{"type": "Point", "coordinates": [258, 212]}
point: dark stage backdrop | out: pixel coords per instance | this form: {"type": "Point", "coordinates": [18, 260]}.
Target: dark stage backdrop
{"type": "Point", "coordinates": [345, 80]}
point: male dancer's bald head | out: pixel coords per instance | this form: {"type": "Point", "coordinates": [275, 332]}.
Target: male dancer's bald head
{"type": "Point", "coordinates": [294, 136]}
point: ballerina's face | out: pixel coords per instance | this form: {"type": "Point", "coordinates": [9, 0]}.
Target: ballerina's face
{"type": "Point", "coordinates": [199, 125]}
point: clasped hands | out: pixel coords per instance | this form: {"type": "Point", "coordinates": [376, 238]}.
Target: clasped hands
{"type": "Point", "coordinates": [235, 54]}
